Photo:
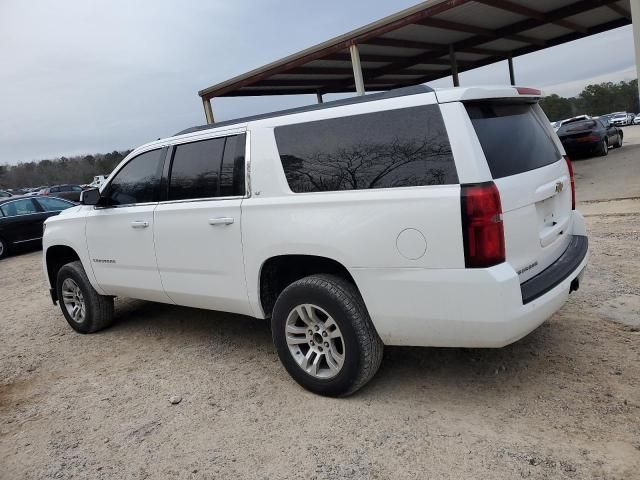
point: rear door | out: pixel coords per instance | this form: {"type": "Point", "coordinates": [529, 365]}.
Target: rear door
{"type": "Point", "coordinates": [197, 229]}
{"type": "Point", "coordinates": [527, 166]}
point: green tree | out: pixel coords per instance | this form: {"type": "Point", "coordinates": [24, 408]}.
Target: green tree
{"type": "Point", "coordinates": [597, 99]}
{"type": "Point", "coordinates": [557, 107]}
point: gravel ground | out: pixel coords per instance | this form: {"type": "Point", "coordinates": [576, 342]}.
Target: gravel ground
{"type": "Point", "coordinates": [172, 392]}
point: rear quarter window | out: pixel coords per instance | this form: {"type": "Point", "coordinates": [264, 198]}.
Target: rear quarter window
{"type": "Point", "coordinates": [395, 148]}
{"type": "Point", "coordinates": [512, 136]}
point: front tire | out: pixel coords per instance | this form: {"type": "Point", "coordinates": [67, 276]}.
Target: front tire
{"type": "Point", "coordinates": [324, 336]}
{"type": "Point", "coordinates": [84, 309]}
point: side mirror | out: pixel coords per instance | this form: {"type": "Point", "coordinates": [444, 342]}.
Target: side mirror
{"type": "Point", "coordinates": [90, 197]}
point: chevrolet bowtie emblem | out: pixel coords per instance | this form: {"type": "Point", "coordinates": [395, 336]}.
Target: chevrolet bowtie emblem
{"type": "Point", "coordinates": [559, 187]}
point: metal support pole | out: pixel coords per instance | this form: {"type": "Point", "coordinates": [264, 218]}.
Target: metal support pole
{"type": "Point", "coordinates": [208, 111]}
{"type": "Point", "coordinates": [454, 66]}
{"type": "Point", "coordinates": [357, 69]}
{"type": "Point", "coordinates": [319, 97]}
{"type": "Point", "coordinates": [512, 75]}
{"type": "Point", "coordinates": [635, 19]}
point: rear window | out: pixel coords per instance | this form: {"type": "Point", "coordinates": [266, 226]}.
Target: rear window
{"type": "Point", "coordinates": [395, 148]}
{"type": "Point", "coordinates": [578, 126]}
{"type": "Point", "coordinates": [513, 137]}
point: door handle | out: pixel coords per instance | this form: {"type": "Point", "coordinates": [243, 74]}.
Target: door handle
{"type": "Point", "coordinates": [139, 224]}
{"type": "Point", "coordinates": [221, 221]}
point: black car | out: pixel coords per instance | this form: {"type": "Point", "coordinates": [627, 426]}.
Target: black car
{"type": "Point", "coordinates": [21, 219]}
{"type": "Point", "coordinates": [592, 136]}
{"type": "Point", "coordinates": [70, 192]}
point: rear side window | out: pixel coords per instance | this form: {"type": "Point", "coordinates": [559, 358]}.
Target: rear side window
{"type": "Point", "coordinates": [207, 169]}
{"type": "Point", "coordinates": [232, 169]}
{"type": "Point", "coordinates": [512, 136]}
{"type": "Point", "coordinates": [196, 169]}
{"type": "Point", "coordinates": [395, 148]}
{"type": "Point", "coordinates": [19, 207]}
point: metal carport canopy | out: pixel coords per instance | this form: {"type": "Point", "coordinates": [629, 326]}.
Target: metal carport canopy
{"type": "Point", "coordinates": [431, 40]}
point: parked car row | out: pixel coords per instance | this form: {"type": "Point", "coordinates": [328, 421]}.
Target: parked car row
{"type": "Point", "coordinates": [22, 219]}
{"type": "Point", "coordinates": [619, 119]}
{"type": "Point", "coordinates": [622, 119]}
{"type": "Point", "coordinates": [70, 192]}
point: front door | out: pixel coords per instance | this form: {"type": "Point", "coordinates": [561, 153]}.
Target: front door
{"type": "Point", "coordinates": [120, 231]}
{"type": "Point", "coordinates": [197, 230]}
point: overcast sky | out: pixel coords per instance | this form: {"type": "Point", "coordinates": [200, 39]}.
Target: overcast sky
{"type": "Point", "coordinates": [87, 76]}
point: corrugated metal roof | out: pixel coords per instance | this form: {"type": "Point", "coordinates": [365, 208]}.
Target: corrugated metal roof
{"type": "Point", "coordinates": [412, 46]}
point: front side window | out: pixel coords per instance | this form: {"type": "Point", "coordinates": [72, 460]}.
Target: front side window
{"type": "Point", "coordinates": [208, 169]}
{"type": "Point", "coordinates": [395, 148]}
{"type": "Point", "coordinates": [138, 181]}
{"type": "Point", "coordinates": [53, 204]}
{"type": "Point", "coordinates": [19, 207]}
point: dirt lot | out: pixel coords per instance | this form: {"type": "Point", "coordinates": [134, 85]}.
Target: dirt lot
{"type": "Point", "coordinates": [562, 403]}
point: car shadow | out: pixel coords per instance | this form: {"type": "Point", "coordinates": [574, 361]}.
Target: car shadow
{"type": "Point", "coordinates": [455, 370]}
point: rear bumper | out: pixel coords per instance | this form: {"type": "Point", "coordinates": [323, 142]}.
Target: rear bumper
{"type": "Point", "coordinates": [464, 307]}
{"type": "Point", "coordinates": [559, 270]}
{"type": "Point", "coordinates": [580, 147]}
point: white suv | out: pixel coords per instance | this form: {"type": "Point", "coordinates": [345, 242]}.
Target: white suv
{"type": "Point", "coordinates": [412, 217]}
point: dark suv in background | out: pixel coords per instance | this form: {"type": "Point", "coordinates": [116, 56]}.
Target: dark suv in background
{"type": "Point", "coordinates": [589, 137]}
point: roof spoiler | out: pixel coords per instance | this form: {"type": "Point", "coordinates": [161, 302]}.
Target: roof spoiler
{"type": "Point", "coordinates": [482, 93]}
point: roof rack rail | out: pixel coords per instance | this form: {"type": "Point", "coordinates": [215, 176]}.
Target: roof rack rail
{"type": "Point", "coordinates": [398, 92]}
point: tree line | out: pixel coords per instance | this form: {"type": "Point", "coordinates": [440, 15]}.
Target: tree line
{"type": "Point", "coordinates": [598, 99]}
{"type": "Point", "coordinates": [75, 170]}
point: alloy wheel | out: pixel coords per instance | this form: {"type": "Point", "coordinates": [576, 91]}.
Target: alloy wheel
{"type": "Point", "coordinates": [73, 300]}
{"type": "Point", "coordinates": [315, 341]}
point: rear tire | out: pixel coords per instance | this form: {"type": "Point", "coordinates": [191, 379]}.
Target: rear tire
{"type": "Point", "coordinates": [4, 249]}
{"type": "Point", "coordinates": [619, 142]}
{"type": "Point", "coordinates": [84, 309]}
{"type": "Point", "coordinates": [603, 151]}
{"type": "Point", "coordinates": [347, 350]}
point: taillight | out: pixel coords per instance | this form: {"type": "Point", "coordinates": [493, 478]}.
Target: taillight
{"type": "Point", "coordinates": [588, 138]}
{"type": "Point", "coordinates": [482, 228]}
{"type": "Point", "coordinates": [573, 183]}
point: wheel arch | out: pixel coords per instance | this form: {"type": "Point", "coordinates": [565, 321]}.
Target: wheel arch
{"type": "Point", "coordinates": [279, 271]}
{"type": "Point", "coordinates": [56, 257]}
